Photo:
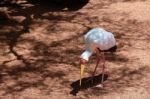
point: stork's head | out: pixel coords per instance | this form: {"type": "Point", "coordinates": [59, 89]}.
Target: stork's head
{"type": "Point", "coordinates": [83, 61]}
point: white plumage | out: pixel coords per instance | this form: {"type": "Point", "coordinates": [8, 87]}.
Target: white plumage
{"type": "Point", "coordinates": [97, 38]}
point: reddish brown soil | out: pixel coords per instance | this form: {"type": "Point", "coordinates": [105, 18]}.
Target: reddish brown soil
{"type": "Point", "coordinates": [42, 63]}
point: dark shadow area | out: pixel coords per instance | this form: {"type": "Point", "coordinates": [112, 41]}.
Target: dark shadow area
{"type": "Point", "coordinates": [53, 4]}
{"type": "Point", "coordinates": [88, 82]}
{"type": "Point", "coordinates": [61, 4]}
{"type": "Point", "coordinates": [36, 10]}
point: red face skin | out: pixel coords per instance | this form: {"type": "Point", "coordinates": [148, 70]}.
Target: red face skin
{"type": "Point", "coordinates": [83, 61]}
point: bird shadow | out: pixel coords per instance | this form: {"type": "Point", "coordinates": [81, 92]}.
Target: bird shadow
{"type": "Point", "coordinates": [87, 83]}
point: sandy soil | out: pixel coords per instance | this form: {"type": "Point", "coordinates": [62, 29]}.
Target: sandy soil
{"type": "Point", "coordinates": [42, 63]}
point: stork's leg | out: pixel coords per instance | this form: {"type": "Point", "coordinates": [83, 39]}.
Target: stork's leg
{"type": "Point", "coordinates": [97, 63]}
{"type": "Point", "coordinates": [103, 68]}
{"type": "Point", "coordinates": [98, 58]}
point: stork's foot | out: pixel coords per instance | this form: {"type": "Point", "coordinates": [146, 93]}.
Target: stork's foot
{"type": "Point", "coordinates": [101, 86]}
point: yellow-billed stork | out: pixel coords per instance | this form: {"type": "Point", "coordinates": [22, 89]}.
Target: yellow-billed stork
{"type": "Point", "coordinates": [97, 40]}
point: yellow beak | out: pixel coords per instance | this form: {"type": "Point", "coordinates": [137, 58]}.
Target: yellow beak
{"type": "Point", "coordinates": [81, 73]}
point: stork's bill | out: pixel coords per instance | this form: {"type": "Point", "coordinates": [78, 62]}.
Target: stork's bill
{"type": "Point", "coordinates": [81, 72]}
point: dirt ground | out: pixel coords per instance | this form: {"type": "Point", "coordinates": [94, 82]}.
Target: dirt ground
{"type": "Point", "coordinates": [41, 45]}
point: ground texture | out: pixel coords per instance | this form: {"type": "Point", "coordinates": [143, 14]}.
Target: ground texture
{"type": "Point", "coordinates": [40, 48]}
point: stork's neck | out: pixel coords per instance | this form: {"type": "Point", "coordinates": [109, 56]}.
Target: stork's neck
{"type": "Point", "coordinates": [86, 54]}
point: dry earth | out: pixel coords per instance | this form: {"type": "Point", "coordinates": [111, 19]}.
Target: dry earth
{"type": "Point", "coordinates": [42, 63]}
